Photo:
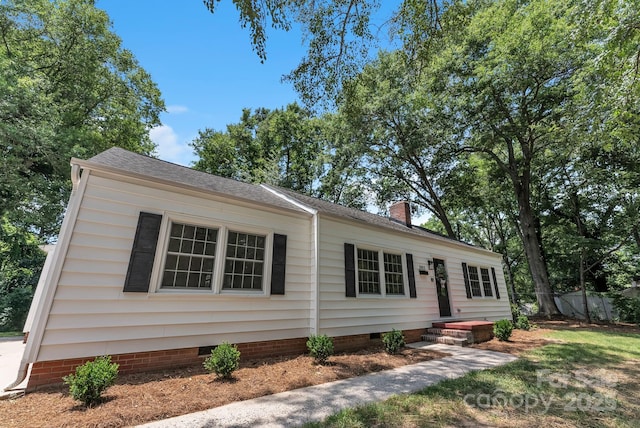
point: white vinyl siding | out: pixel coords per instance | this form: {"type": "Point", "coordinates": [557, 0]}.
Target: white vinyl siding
{"type": "Point", "coordinates": [91, 315]}
{"type": "Point", "coordinates": [341, 315]}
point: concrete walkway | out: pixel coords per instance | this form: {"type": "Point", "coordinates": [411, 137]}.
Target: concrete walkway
{"type": "Point", "coordinates": [11, 350]}
{"type": "Point", "coordinates": [315, 403]}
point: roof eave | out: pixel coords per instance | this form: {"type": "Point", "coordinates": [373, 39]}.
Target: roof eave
{"type": "Point", "coordinates": [84, 164]}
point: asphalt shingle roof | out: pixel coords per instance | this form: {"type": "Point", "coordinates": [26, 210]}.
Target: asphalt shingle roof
{"type": "Point", "coordinates": [127, 161]}
{"type": "Point", "coordinates": [335, 210]}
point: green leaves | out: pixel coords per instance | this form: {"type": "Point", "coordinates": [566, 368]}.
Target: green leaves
{"type": "Point", "coordinates": [68, 89]}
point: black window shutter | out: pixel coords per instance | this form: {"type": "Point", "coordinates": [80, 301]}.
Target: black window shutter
{"type": "Point", "coordinates": [467, 284]}
{"type": "Point", "coordinates": [143, 253]}
{"type": "Point", "coordinates": [495, 283]}
{"type": "Point", "coordinates": [278, 263]}
{"type": "Point", "coordinates": [349, 270]}
{"type": "Point", "coordinates": [412, 277]}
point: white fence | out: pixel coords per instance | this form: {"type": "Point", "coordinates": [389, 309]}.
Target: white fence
{"type": "Point", "coordinates": [600, 306]}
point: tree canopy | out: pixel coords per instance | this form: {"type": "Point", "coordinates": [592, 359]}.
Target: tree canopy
{"type": "Point", "coordinates": [515, 123]}
{"type": "Point", "coordinates": [67, 88]}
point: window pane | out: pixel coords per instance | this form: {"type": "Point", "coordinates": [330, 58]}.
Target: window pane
{"type": "Point", "coordinates": [188, 232]}
{"type": "Point", "coordinates": [198, 247]}
{"type": "Point", "coordinates": [174, 245]}
{"type": "Point", "coordinates": [176, 230]}
{"type": "Point", "coordinates": [201, 233]}
{"type": "Point", "coordinates": [181, 279]}
{"type": "Point", "coordinates": [183, 263]}
{"type": "Point", "coordinates": [196, 264]}
{"type": "Point", "coordinates": [167, 278]}
{"type": "Point", "coordinates": [186, 247]}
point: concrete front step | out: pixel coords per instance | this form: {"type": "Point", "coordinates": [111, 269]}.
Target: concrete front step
{"type": "Point", "coordinates": [446, 340]}
{"type": "Point", "coordinates": [460, 334]}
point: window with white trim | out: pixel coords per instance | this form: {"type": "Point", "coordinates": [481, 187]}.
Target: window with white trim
{"type": "Point", "coordinates": [190, 257]}
{"type": "Point", "coordinates": [244, 263]}
{"type": "Point", "coordinates": [368, 272]}
{"type": "Point", "coordinates": [486, 282]}
{"type": "Point", "coordinates": [474, 281]}
{"type": "Point", "coordinates": [393, 275]}
{"type": "Point", "coordinates": [380, 273]}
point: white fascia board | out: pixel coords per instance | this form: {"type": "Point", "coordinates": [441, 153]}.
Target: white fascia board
{"type": "Point", "coordinates": [50, 283]}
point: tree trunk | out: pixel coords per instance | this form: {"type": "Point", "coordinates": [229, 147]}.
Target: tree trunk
{"type": "Point", "coordinates": [583, 287]}
{"type": "Point", "coordinates": [537, 266]}
{"type": "Point", "coordinates": [512, 285]}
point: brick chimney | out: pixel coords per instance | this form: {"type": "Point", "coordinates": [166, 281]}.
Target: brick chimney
{"type": "Point", "coordinates": [401, 212]}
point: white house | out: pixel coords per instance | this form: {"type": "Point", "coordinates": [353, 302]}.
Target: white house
{"type": "Point", "coordinates": [157, 263]}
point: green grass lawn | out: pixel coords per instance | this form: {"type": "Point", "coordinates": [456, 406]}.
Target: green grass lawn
{"type": "Point", "coordinates": [10, 333]}
{"type": "Point", "coordinates": [587, 379]}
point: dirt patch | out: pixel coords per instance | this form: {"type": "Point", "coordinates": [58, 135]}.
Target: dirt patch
{"type": "Point", "coordinates": [145, 397]}
{"type": "Point", "coordinates": [520, 341]}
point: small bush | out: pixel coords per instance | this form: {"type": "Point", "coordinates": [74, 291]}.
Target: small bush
{"type": "Point", "coordinates": [502, 329]}
{"type": "Point", "coordinates": [320, 347]}
{"type": "Point", "coordinates": [523, 323]}
{"type": "Point", "coordinates": [223, 361]}
{"type": "Point", "coordinates": [393, 341]}
{"type": "Point", "coordinates": [91, 379]}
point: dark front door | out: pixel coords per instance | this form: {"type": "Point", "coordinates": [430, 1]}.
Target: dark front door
{"type": "Point", "coordinates": [442, 287]}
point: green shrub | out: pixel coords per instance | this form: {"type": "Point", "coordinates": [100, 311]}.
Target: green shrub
{"type": "Point", "coordinates": [91, 379]}
{"type": "Point", "coordinates": [223, 361]}
{"type": "Point", "coordinates": [502, 329]}
{"type": "Point", "coordinates": [523, 323]}
{"type": "Point", "coordinates": [628, 308]}
{"type": "Point", "coordinates": [320, 347]}
{"type": "Point", "coordinates": [393, 341]}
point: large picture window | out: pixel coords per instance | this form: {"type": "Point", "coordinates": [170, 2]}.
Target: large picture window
{"type": "Point", "coordinates": [379, 272]}
{"type": "Point", "coordinates": [190, 257]}
{"type": "Point", "coordinates": [244, 263]}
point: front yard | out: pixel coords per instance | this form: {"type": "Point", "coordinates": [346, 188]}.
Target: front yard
{"type": "Point", "coordinates": [582, 377]}
{"type": "Point", "coordinates": [568, 375]}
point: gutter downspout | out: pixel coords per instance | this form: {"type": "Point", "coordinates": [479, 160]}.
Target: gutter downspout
{"type": "Point", "coordinates": [50, 284]}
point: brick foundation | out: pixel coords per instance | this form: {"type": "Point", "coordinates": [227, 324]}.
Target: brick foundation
{"type": "Point", "coordinates": [51, 372]}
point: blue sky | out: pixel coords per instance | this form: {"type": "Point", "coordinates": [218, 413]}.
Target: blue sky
{"type": "Point", "coordinates": [203, 64]}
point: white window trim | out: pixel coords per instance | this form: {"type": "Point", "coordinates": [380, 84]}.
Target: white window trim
{"type": "Point", "coordinates": [479, 268]}
{"type": "Point", "coordinates": [220, 256]}
{"type": "Point", "coordinates": [383, 285]}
